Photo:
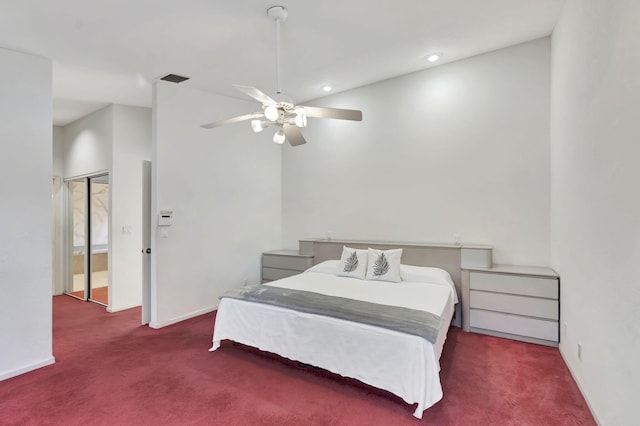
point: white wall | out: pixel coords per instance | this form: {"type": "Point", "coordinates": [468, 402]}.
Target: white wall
{"type": "Point", "coordinates": [595, 209]}
{"type": "Point", "coordinates": [25, 246]}
{"type": "Point", "coordinates": [58, 151]}
{"type": "Point", "coordinates": [57, 200]}
{"type": "Point", "coordinates": [88, 143]}
{"type": "Point", "coordinates": [462, 148]}
{"type": "Point", "coordinates": [224, 188]}
{"type": "Point", "coordinates": [131, 145]}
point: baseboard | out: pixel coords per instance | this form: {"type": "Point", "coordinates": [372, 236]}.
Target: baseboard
{"type": "Point", "coordinates": [27, 368]}
{"type": "Point", "coordinates": [156, 324]}
{"type": "Point", "coordinates": [124, 308]}
{"type": "Point", "coordinates": [582, 391]}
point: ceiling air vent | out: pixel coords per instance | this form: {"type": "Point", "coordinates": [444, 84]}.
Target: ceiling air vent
{"type": "Point", "coordinates": [174, 78]}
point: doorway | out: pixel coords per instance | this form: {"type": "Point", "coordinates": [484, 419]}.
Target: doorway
{"type": "Point", "coordinates": [89, 228]}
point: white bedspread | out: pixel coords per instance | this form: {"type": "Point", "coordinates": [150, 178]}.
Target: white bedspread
{"type": "Point", "coordinates": [405, 365]}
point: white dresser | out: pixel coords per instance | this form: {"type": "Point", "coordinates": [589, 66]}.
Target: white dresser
{"type": "Point", "coordinates": [515, 302]}
{"type": "Point", "coordinates": [279, 264]}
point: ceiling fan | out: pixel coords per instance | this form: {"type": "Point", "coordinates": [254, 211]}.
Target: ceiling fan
{"type": "Point", "coordinates": [279, 110]}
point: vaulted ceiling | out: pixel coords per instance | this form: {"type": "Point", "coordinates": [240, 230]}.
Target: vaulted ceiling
{"type": "Point", "coordinates": [111, 51]}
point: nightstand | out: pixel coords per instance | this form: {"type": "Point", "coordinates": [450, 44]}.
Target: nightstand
{"type": "Point", "coordinates": [279, 264]}
{"type": "Point", "coordinates": [514, 302]}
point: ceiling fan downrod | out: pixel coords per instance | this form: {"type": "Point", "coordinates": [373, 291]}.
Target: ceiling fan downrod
{"type": "Point", "coordinates": [279, 14]}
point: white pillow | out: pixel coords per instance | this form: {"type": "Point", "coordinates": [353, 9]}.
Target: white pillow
{"type": "Point", "coordinates": [384, 265]}
{"type": "Point", "coordinates": [353, 263]}
{"type": "Point", "coordinates": [427, 274]}
{"type": "Point", "coordinates": [326, 267]}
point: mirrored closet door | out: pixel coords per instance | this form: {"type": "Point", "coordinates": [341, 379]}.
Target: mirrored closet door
{"type": "Point", "coordinates": [89, 228]}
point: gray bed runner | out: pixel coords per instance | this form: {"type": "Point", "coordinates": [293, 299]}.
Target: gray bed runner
{"type": "Point", "coordinates": [410, 321]}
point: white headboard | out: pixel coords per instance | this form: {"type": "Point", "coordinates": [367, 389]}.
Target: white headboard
{"type": "Point", "coordinates": [445, 256]}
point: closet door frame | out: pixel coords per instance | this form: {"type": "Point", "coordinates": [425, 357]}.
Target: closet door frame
{"type": "Point", "coordinates": [67, 250]}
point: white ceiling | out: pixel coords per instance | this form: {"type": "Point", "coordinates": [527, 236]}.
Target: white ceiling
{"type": "Point", "coordinates": [111, 51]}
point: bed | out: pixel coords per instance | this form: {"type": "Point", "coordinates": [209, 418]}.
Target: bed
{"type": "Point", "coordinates": [404, 364]}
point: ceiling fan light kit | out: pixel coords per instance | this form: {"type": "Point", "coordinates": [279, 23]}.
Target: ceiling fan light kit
{"type": "Point", "coordinates": [301, 120]}
{"type": "Point", "coordinates": [279, 136]}
{"type": "Point", "coordinates": [259, 125]}
{"type": "Point", "coordinates": [279, 109]}
{"type": "Point", "coordinates": [271, 113]}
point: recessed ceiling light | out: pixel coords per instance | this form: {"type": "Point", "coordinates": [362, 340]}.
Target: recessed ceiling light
{"type": "Point", "coordinates": [326, 88]}
{"type": "Point", "coordinates": [434, 57]}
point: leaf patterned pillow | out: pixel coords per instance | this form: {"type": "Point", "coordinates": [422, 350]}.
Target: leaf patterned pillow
{"type": "Point", "coordinates": [353, 263]}
{"type": "Point", "coordinates": [384, 265]}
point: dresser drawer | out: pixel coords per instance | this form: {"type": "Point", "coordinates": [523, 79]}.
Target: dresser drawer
{"type": "Point", "coordinates": [296, 263]}
{"type": "Point", "coordinates": [527, 286]}
{"type": "Point", "coordinates": [271, 274]}
{"type": "Point", "coordinates": [514, 324]}
{"type": "Point", "coordinates": [509, 303]}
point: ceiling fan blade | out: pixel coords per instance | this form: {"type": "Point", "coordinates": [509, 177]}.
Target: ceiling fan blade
{"type": "Point", "coordinates": [340, 114]}
{"type": "Point", "coordinates": [255, 94]}
{"type": "Point", "coordinates": [232, 120]}
{"type": "Point", "coordinates": [293, 134]}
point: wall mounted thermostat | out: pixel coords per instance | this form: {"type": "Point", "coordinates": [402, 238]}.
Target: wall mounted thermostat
{"type": "Point", "coordinates": [164, 218]}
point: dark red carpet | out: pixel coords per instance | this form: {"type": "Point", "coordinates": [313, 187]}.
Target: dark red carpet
{"type": "Point", "coordinates": [112, 371]}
